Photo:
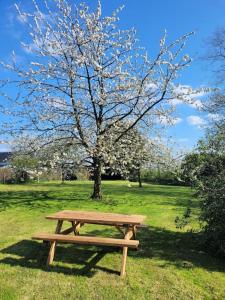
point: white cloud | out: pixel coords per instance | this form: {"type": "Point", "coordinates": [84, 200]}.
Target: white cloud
{"type": "Point", "coordinates": [192, 102]}
{"type": "Point", "coordinates": [189, 96]}
{"type": "Point", "coordinates": [196, 121]}
{"type": "Point", "coordinates": [176, 102]}
{"type": "Point", "coordinates": [176, 121]}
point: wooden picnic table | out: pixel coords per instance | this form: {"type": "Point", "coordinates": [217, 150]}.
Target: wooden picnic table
{"type": "Point", "coordinates": [126, 224]}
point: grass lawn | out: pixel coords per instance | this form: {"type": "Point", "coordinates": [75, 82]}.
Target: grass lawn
{"type": "Point", "coordinates": [168, 264]}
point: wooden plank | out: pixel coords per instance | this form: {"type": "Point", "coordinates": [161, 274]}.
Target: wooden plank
{"type": "Point", "coordinates": [97, 217]}
{"type": "Point", "coordinates": [59, 226]}
{"type": "Point", "coordinates": [124, 260]}
{"type": "Point", "coordinates": [67, 231]}
{"type": "Point", "coordinates": [51, 253]}
{"type": "Point", "coordinates": [127, 237]}
{"type": "Point", "coordinates": [120, 229]}
{"type": "Point", "coordinates": [86, 240]}
{"type": "Point", "coordinates": [142, 226]}
{"type": "Point", "coordinates": [76, 227]}
{"type": "Point", "coordinates": [129, 233]}
{"type": "Point", "coordinates": [134, 231]}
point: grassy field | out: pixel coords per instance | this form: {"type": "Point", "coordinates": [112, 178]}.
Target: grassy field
{"type": "Point", "coordinates": [168, 264]}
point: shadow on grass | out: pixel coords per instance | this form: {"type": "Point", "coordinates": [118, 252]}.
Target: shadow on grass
{"type": "Point", "coordinates": [176, 248]}
{"type": "Point", "coordinates": [166, 248]}
{"type": "Point", "coordinates": [37, 197]}
{"type": "Point", "coordinates": [169, 191]}
{"type": "Point", "coordinates": [32, 254]}
{"type": "Point", "coordinates": [153, 194]}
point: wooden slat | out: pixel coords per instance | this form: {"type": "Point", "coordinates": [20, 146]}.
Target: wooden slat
{"type": "Point", "coordinates": [97, 217]}
{"type": "Point", "coordinates": [142, 226]}
{"type": "Point", "coordinates": [53, 243]}
{"type": "Point", "coordinates": [120, 229]}
{"type": "Point", "coordinates": [127, 237]}
{"type": "Point", "coordinates": [76, 228]}
{"type": "Point", "coordinates": [67, 231]}
{"type": "Point", "coordinates": [86, 240]}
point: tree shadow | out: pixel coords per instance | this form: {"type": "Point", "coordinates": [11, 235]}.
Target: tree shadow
{"type": "Point", "coordinates": [169, 248]}
{"type": "Point", "coordinates": [180, 249]}
{"type": "Point", "coordinates": [40, 199]}
{"type": "Point", "coordinates": [153, 194]}
{"type": "Point", "coordinates": [37, 197]}
{"type": "Point", "coordinates": [29, 199]}
{"type": "Point", "coordinates": [33, 255]}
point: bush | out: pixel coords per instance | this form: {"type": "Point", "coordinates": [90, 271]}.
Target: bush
{"type": "Point", "coordinates": [205, 170]}
{"type": "Point", "coordinates": [211, 191]}
{"type": "Point", "coordinates": [189, 166]}
{"type": "Point", "coordinates": [160, 177]}
{"type": "Point", "coordinates": [9, 175]}
{"type": "Point", "coordinates": [21, 176]}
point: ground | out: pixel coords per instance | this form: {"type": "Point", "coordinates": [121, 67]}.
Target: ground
{"type": "Point", "coordinates": [168, 265]}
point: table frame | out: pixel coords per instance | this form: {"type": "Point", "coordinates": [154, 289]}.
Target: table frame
{"type": "Point", "coordinates": [128, 231]}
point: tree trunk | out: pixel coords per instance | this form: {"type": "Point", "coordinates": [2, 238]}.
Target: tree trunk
{"type": "Point", "coordinates": [62, 175]}
{"type": "Point", "coordinates": [139, 177]}
{"type": "Point", "coordinates": [97, 191]}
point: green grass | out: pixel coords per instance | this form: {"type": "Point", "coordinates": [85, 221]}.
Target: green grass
{"type": "Point", "coordinates": [168, 264]}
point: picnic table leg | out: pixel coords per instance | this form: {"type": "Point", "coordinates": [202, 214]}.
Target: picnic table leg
{"type": "Point", "coordinates": [120, 230]}
{"type": "Point", "coordinates": [53, 244]}
{"type": "Point", "coordinates": [134, 231]}
{"type": "Point", "coordinates": [76, 227]}
{"type": "Point", "coordinates": [128, 236]}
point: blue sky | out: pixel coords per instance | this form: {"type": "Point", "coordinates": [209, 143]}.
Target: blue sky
{"type": "Point", "coordinates": [150, 18]}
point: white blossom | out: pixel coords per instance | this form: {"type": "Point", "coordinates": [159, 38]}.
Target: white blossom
{"type": "Point", "coordinates": [87, 78]}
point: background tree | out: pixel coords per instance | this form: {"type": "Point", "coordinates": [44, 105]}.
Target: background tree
{"type": "Point", "coordinates": [24, 168]}
{"type": "Point", "coordinates": [189, 166]}
{"type": "Point", "coordinates": [57, 156]}
{"type": "Point", "coordinates": [164, 162]}
{"type": "Point", "coordinates": [64, 157]}
{"type": "Point", "coordinates": [129, 155]}
{"type": "Point", "coordinates": [85, 76]}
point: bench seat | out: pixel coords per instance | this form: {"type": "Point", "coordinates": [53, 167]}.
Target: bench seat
{"type": "Point", "coordinates": [87, 240]}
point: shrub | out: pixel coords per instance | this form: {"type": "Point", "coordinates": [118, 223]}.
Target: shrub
{"type": "Point", "coordinates": [21, 176]}
{"type": "Point", "coordinates": [161, 177]}
{"type": "Point", "coordinates": [211, 191]}
{"type": "Point", "coordinates": [206, 172]}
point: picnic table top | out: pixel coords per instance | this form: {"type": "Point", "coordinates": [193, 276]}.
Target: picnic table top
{"type": "Point", "coordinates": [97, 217]}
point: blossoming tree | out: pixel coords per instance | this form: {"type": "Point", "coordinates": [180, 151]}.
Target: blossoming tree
{"type": "Point", "coordinates": [85, 76]}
